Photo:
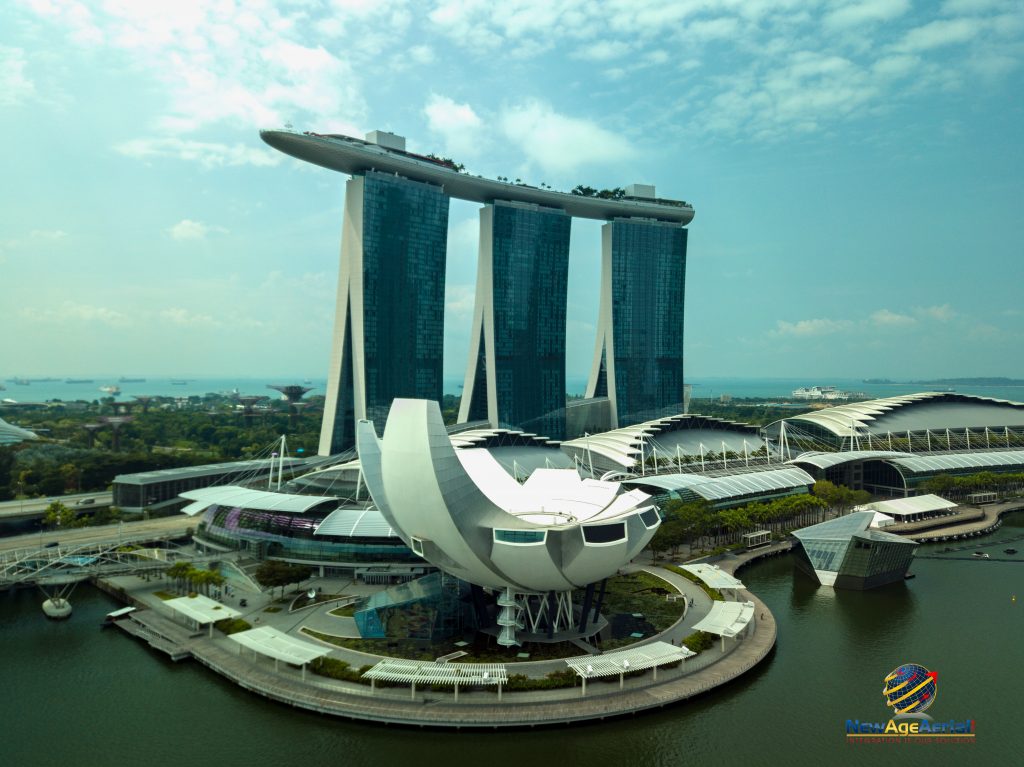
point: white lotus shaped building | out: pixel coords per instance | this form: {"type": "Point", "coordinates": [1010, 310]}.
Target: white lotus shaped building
{"type": "Point", "coordinates": [536, 542]}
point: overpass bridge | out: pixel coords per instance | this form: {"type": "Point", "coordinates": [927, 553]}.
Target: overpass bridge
{"type": "Point", "coordinates": [56, 567]}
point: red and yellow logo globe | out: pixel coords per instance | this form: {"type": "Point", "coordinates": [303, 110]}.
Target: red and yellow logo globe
{"type": "Point", "coordinates": [910, 688]}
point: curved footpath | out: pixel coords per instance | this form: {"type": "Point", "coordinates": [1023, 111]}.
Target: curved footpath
{"type": "Point", "coordinates": [481, 708]}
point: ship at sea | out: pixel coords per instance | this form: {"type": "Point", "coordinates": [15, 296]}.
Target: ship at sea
{"type": "Point", "coordinates": [79, 380]}
{"type": "Point", "coordinates": [111, 389]}
{"type": "Point", "coordinates": [830, 393]}
{"type": "Point", "coordinates": [122, 379]}
{"type": "Point", "coordinates": [179, 383]}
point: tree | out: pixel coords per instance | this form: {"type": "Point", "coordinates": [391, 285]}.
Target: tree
{"type": "Point", "coordinates": [59, 515]}
{"type": "Point", "coordinates": [273, 572]}
{"type": "Point", "coordinates": [179, 572]}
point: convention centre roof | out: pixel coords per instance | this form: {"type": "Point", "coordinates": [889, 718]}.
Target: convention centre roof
{"type": "Point", "coordinates": [275, 644]}
{"type": "Point", "coordinates": [714, 576]}
{"type": "Point", "coordinates": [247, 498]}
{"type": "Point", "coordinates": [356, 523]}
{"type": "Point", "coordinates": [927, 411]}
{"type": "Point", "coordinates": [938, 462]}
{"type": "Point", "coordinates": [720, 488]}
{"type": "Point", "coordinates": [354, 156]}
{"type": "Point", "coordinates": [691, 434]}
{"type": "Point", "coordinates": [829, 460]}
{"type": "Point", "coordinates": [626, 661]}
{"type": "Point", "coordinates": [918, 463]}
{"type": "Point", "coordinates": [11, 434]}
{"type": "Point", "coordinates": [726, 619]}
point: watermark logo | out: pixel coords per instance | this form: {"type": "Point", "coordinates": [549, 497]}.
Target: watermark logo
{"type": "Point", "coordinates": [909, 690]}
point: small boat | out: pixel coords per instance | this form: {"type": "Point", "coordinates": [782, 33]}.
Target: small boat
{"type": "Point", "coordinates": [980, 555]}
{"type": "Point", "coordinates": [908, 576]}
{"type": "Point", "coordinates": [116, 615]}
{"type": "Point", "coordinates": [111, 389]}
{"type": "Point", "coordinates": [1009, 551]}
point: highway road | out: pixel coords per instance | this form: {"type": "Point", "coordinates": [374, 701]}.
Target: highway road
{"type": "Point", "coordinates": [176, 524]}
{"type": "Point", "coordinates": [31, 508]}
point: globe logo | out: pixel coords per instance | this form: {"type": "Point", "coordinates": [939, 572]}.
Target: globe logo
{"type": "Point", "coordinates": [910, 688]}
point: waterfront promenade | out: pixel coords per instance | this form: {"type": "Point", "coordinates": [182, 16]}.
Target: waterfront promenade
{"type": "Point", "coordinates": [475, 708]}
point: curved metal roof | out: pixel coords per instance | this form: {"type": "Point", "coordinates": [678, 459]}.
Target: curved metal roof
{"type": "Point", "coordinates": [923, 464]}
{"type": "Point", "coordinates": [623, 446]}
{"type": "Point", "coordinates": [876, 416]}
{"type": "Point", "coordinates": [730, 486]}
{"type": "Point", "coordinates": [356, 523]}
{"type": "Point", "coordinates": [247, 498]}
{"type": "Point", "coordinates": [12, 435]}
{"type": "Point", "coordinates": [828, 460]}
{"type": "Point", "coordinates": [353, 156]}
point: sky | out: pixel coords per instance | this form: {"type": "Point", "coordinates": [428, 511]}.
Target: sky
{"type": "Point", "coordinates": [856, 167]}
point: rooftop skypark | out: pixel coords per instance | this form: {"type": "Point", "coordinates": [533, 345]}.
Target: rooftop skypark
{"type": "Point", "coordinates": [386, 152]}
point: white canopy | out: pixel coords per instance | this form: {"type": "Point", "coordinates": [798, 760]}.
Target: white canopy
{"type": "Point", "coordinates": [714, 576]}
{"type": "Point", "coordinates": [266, 640]}
{"type": "Point", "coordinates": [624, 661]}
{"type": "Point", "coordinates": [726, 619]}
{"type": "Point", "coordinates": [202, 610]}
{"type": "Point", "coordinates": [920, 504]}
{"type": "Point", "coordinates": [247, 498]}
{"type": "Point", "coordinates": [432, 672]}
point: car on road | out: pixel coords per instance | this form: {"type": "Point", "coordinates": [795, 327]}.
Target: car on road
{"type": "Point", "coordinates": [51, 544]}
{"type": "Point", "coordinates": [85, 502]}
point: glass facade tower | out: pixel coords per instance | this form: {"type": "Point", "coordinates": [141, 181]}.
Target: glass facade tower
{"type": "Point", "coordinates": [389, 326]}
{"type": "Point", "coordinates": [638, 359]}
{"type": "Point", "coordinates": [516, 372]}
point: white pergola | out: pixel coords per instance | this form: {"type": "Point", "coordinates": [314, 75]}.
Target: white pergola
{"type": "Point", "coordinates": [715, 577]}
{"type": "Point", "coordinates": [727, 619]}
{"type": "Point", "coordinates": [266, 640]}
{"type": "Point", "coordinates": [623, 662]}
{"type": "Point", "coordinates": [201, 610]}
{"type": "Point", "coordinates": [413, 672]}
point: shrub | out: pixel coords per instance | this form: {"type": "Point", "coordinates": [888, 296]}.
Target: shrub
{"type": "Point", "coordinates": [699, 641]}
{"type": "Point", "coordinates": [232, 625]}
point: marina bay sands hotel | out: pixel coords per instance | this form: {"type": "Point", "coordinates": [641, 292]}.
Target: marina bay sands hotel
{"type": "Point", "coordinates": [389, 325]}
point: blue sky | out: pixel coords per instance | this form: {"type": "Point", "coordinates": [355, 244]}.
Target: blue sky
{"type": "Point", "coordinates": [857, 170]}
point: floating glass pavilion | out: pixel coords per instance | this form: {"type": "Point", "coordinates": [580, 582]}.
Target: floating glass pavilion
{"type": "Point", "coordinates": [848, 553]}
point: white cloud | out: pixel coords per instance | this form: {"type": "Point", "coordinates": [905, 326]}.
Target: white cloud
{"type": "Point", "coordinates": [15, 85]}
{"type": "Point", "coordinates": [603, 50]}
{"type": "Point", "coordinates": [206, 153]}
{"type": "Point", "coordinates": [187, 229]}
{"type": "Point", "coordinates": [559, 143]}
{"type": "Point", "coordinates": [186, 318]}
{"type": "Point", "coordinates": [887, 318]}
{"type": "Point", "coordinates": [225, 63]}
{"type": "Point", "coordinates": [942, 313]}
{"type": "Point", "coordinates": [459, 301]}
{"type": "Point", "coordinates": [942, 32]}
{"type": "Point", "coordinates": [71, 312]}
{"type": "Point", "coordinates": [459, 126]}
{"type": "Point", "coordinates": [812, 327]}
{"type": "Point", "coordinates": [48, 234]}
{"type": "Point", "coordinates": [865, 12]}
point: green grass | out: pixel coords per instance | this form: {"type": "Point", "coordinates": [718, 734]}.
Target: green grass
{"type": "Point", "coordinates": [343, 612]}
{"type": "Point", "coordinates": [271, 609]}
{"type": "Point", "coordinates": [713, 593]}
{"type": "Point", "coordinates": [165, 595]}
{"type": "Point", "coordinates": [232, 625]}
